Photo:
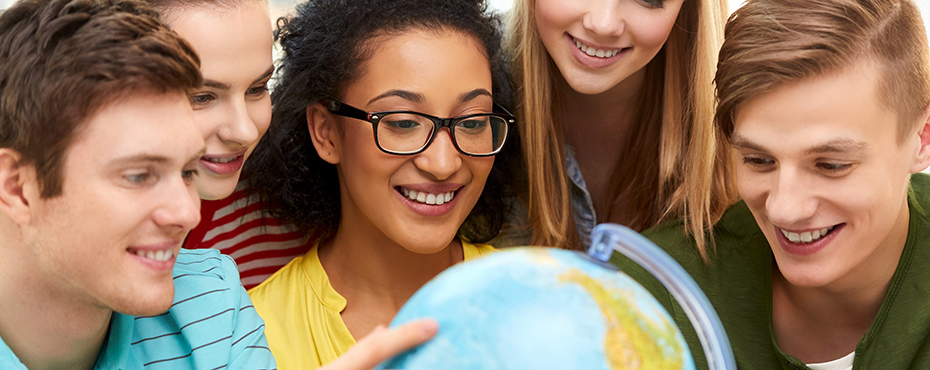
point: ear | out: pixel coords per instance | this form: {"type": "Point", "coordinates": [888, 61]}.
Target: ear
{"type": "Point", "coordinates": [18, 186]}
{"type": "Point", "coordinates": [324, 133]}
{"type": "Point", "coordinates": [923, 154]}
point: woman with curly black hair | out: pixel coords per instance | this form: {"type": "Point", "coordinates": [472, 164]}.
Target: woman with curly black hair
{"type": "Point", "coordinates": [384, 137]}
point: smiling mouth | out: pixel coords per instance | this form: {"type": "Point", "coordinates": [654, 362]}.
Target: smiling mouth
{"type": "Point", "coordinates": [427, 198]}
{"type": "Point", "coordinates": [807, 236]}
{"type": "Point", "coordinates": [599, 53]}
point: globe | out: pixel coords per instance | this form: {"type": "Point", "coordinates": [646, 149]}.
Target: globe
{"type": "Point", "coordinates": [541, 308]}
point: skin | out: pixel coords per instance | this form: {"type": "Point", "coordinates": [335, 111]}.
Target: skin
{"type": "Point", "coordinates": [599, 96]}
{"type": "Point", "coordinates": [233, 107]}
{"type": "Point", "coordinates": [823, 153]}
{"type": "Point", "coordinates": [380, 254]}
{"type": "Point", "coordinates": [71, 260]}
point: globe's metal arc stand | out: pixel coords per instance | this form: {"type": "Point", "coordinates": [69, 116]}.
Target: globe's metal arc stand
{"type": "Point", "coordinates": [607, 238]}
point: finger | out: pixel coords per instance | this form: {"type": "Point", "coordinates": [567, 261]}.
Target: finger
{"type": "Point", "coordinates": [382, 344]}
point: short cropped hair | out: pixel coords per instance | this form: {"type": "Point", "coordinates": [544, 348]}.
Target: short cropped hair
{"type": "Point", "coordinates": [773, 42]}
{"type": "Point", "coordinates": [61, 61]}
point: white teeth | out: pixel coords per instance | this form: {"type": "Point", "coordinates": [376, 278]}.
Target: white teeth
{"type": "Point", "coordinates": [222, 160]}
{"type": "Point", "coordinates": [432, 199]}
{"type": "Point", "coordinates": [160, 256]}
{"type": "Point", "coordinates": [596, 52]}
{"type": "Point", "coordinates": [807, 236]}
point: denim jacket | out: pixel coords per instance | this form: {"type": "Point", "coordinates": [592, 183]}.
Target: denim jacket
{"type": "Point", "coordinates": [582, 206]}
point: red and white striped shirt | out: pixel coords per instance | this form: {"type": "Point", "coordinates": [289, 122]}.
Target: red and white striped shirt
{"type": "Point", "coordinates": [238, 226]}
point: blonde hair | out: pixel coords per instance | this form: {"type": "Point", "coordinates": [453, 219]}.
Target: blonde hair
{"type": "Point", "coordinates": [684, 172]}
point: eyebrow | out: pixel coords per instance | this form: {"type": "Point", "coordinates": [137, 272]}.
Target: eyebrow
{"type": "Point", "coordinates": [474, 94]}
{"type": "Point", "coordinates": [403, 94]}
{"type": "Point", "coordinates": [153, 158]}
{"type": "Point", "coordinates": [223, 86]}
{"type": "Point", "coordinates": [265, 75]}
{"type": "Point", "coordinates": [832, 146]}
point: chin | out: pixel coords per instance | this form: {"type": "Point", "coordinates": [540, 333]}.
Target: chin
{"type": "Point", "coordinates": [151, 303]}
{"type": "Point", "coordinates": [214, 190]}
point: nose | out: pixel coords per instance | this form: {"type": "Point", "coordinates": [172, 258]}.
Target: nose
{"type": "Point", "coordinates": [440, 159]}
{"type": "Point", "coordinates": [179, 207]}
{"type": "Point", "coordinates": [791, 199]}
{"type": "Point", "coordinates": [604, 18]}
{"type": "Point", "coordinates": [238, 126]}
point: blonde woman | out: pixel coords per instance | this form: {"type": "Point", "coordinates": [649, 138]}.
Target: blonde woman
{"type": "Point", "coordinates": [616, 105]}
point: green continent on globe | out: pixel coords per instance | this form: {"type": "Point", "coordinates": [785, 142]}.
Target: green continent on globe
{"type": "Point", "coordinates": [632, 342]}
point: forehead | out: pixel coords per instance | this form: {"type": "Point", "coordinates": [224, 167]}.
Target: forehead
{"type": "Point", "coordinates": [419, 57]}
{"type": "Point", "coordinates": [146, 124]}
{"type": "Point", "coordinates": [842, 106]}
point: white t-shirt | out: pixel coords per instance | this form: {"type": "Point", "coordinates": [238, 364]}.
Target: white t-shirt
{"type": "Point", "coordinates": [842, 363]}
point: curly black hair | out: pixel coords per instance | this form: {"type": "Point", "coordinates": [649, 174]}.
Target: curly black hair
{"type": "Point", "coordinates": [325, 46]}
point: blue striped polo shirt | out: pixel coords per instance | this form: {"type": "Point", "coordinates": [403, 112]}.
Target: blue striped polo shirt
{"type": "Point", "coordinates": [211, 325]}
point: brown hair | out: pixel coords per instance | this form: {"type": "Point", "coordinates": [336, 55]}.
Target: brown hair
{"type": "Point", "coordinates": [674, 168]}
{"type": "Point", "coordinates": [773, 42]}
{"type": "Point", "coordinates": [61, 61]}
{"type": "Point", "coordinates": [167, 8]}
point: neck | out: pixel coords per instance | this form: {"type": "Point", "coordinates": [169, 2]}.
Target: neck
{"type": "Point", "coordinates": [47, 325]}
{"type": "Point", "coordinates": [367, 264]}
{"type": "Point", "coordinates": [598, 128]}
{"type": "Point", "coordinates": [610, 113]}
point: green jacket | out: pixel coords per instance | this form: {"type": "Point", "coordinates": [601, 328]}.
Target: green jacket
{"type": "Point", "coordinates": [738, 281]}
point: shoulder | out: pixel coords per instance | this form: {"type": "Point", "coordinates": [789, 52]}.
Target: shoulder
{"type": "Point", "coordinates": [211, 313]}
{"type": "Point", "coordinates": [476, 250]}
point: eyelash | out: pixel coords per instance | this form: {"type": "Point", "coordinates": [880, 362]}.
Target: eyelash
{"type": "Point", "coordinates": [189, 175]}
{"type": "Point", "coordinates": [206, 96]}
{"type": "Point", "coordinates": [258, 90]}
{"type": "Point", "coordinates": [658, 4]}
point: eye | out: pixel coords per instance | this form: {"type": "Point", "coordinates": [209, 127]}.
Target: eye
{"type": "Point", "coordinates": [137, 178]}
{"type": "Point", "coordinates": [758, 163]}
{"type": "Point", "coordinates": [201, 100]}
{"type": "Point", "coordinates": [400, 125]}
{"type": "Point", "coordinates": [658, 4]}
{"type": "Point", "coordinates": [189, 174]}
{"type": "Point", "coordinates": [834, 167]}
{"type": "Point", "coordinates": [257, 91]}
{"type": "Point", "coordinates": [473, 125]}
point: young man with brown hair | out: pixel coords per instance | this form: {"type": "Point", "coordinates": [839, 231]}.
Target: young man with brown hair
{"type": "Point", "coordinates": [825, 264]}
{"type": "Point", "coordinates": [97, 154]}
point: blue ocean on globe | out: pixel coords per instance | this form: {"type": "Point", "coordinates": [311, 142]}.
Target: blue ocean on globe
{"type": "Point", "coordinates": [541, 308]}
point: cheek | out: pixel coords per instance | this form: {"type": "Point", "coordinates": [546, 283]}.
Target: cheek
{"type": "Point", "coordinates": [260, 113]}
{"type": "Point", "coordinates": [551, 16]}
{"type": "Point", "coordinates": [652, 32]}
{"type": "Point", "coordinates": [207, 122]}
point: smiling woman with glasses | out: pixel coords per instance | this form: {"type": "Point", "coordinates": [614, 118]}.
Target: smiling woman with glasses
{"type": "Point", "coordinates": [386, 137]}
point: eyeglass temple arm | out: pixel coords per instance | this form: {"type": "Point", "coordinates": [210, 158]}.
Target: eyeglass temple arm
{"type": "Point", "coordinates": [345, 110]}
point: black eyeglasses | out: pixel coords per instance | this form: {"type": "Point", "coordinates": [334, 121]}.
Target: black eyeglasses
{"type": "Point", "coordinates": [408, 133]}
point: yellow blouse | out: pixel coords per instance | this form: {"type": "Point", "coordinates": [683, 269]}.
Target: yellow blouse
{"type": "Point", "coordinates": [302, 312]}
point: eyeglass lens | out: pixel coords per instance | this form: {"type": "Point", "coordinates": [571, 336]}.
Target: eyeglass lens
{"type": "Point", "coordinates": [406, 133]}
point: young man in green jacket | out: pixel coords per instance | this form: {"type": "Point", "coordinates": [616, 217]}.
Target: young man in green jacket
{"type": "Point", "coordinates": [825, 264]}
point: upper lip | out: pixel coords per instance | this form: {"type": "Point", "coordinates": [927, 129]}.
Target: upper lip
{"type": "Point", "coordinates": [432, 188]}
{"type": "Point", "coordinates": [157, 246]}
{"type": "Point", "coordinates": [804, 230]}
{"type": "Point", "coordinates": [227, 155]}
{"type": "Point", "coordinates": [595, 45]}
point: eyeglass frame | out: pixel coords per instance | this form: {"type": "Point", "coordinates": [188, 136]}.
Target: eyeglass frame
{"type": "Point", "coordinates": [345, 110]}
